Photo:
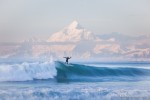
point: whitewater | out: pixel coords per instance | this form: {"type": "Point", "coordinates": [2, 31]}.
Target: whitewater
{"type": "Point", "coordinates": [55, 80]}
{"type": "Point", "coordinates": [27, 71]}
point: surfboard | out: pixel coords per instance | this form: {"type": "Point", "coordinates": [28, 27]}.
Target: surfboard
{"type": "Point", "coordinates": [68, 65]}
{"type": "Point", "coordinates": [59, 63]}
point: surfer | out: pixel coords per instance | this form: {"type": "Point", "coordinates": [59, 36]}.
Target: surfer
{"type": "Point", "coordinates": [67, 58]}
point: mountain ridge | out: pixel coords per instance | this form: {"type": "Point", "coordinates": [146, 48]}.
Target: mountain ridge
{"type": "Point", "coordinates": [74, 40]}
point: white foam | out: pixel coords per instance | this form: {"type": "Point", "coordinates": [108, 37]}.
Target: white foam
{"type": "Point", "coordinates": [27, 71]}
{"type": "Point", "coordinates": [74, 93]}
{"type": "Point", "coordinates": [119, 66]}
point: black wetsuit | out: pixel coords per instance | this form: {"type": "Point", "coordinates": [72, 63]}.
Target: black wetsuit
{"type": "Point", "coordinates": [67, 58]}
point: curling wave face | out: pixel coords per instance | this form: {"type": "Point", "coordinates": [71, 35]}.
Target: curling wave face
{"type": "Point", "coordinates": [77, 72]}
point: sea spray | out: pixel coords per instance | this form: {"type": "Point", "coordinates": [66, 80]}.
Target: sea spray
{"type": "Point", "coordinates": [27, 71]}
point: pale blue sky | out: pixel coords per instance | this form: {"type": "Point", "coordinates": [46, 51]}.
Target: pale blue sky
{"type": "Point", "coordinates": [41, 18]}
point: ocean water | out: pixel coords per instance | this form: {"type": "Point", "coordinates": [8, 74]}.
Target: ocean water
{"type": "Point", "coordinates": [76, 81]}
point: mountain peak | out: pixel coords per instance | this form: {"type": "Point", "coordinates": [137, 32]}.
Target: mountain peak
{"type": "Point", "coordinates": [74, 24]}
{"type": "Point", "coordinates": [73, 33]}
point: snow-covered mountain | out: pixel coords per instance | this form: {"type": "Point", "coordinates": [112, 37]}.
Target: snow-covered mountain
{"type": "Point", "coordinates": [72, 33]}
{"type": "Point", "coordinates": [74, 40]}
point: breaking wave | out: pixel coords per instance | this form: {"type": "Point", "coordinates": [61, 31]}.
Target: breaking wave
{"type": "Point", "coordinates": [59, 71]}
{"type": "Point", "coordinates": [27, 71]}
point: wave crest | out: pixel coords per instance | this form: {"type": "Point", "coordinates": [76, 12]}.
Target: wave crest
{"type": "Point", "coordinates": [27, 71]}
